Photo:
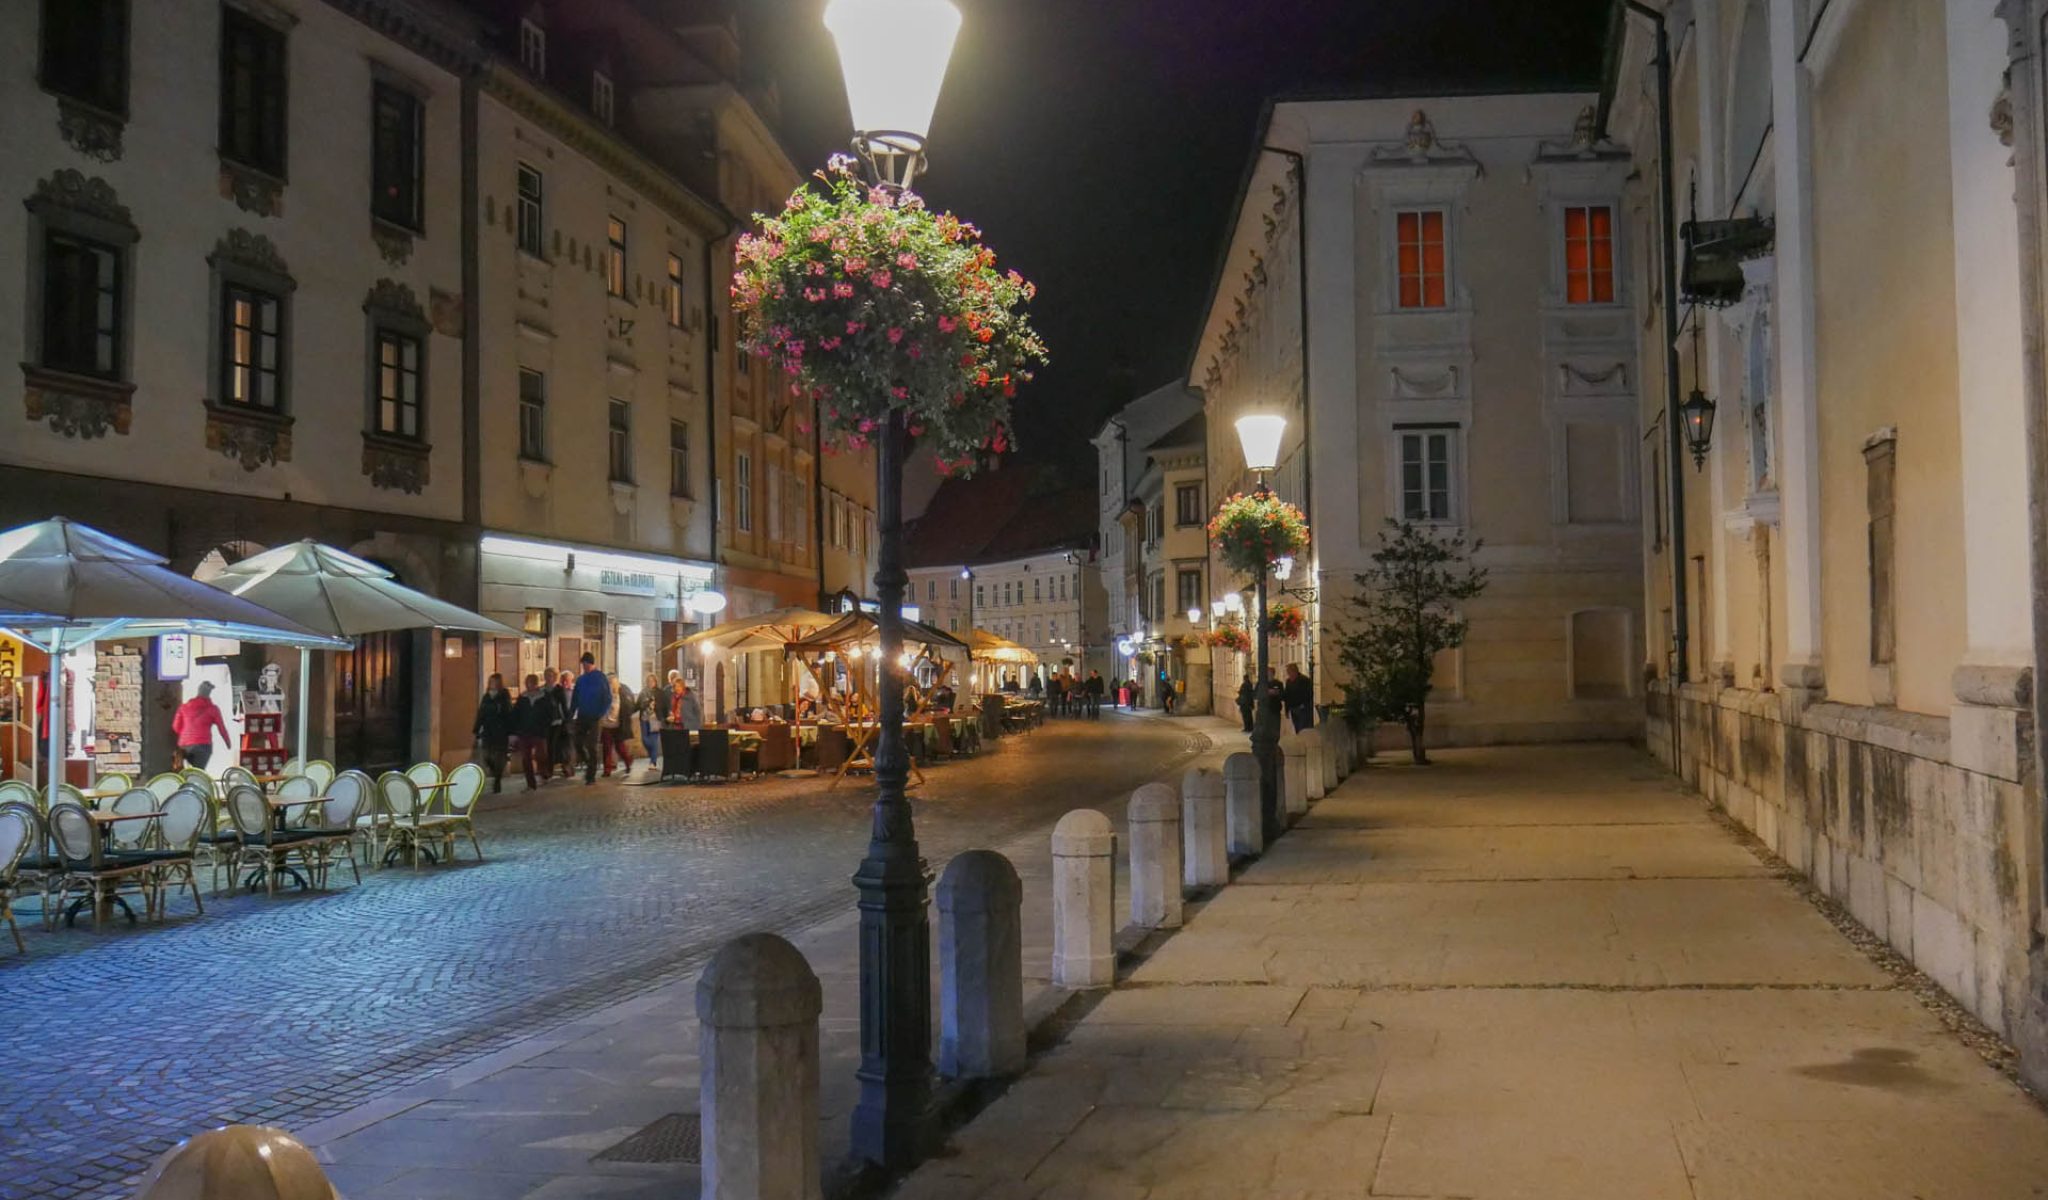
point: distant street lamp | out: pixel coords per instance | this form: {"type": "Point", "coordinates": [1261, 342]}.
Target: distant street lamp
{"type": "Point", "coordinates": [893, 54]}
{"type": "Point", "coordinates": [1260, 435]}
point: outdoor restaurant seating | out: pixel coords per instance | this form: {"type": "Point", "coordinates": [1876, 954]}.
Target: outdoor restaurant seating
{"type": "Point", "coordinates": [458, 811]}
{"type": "Point", "coordinates": [398, 815]}
{"type": "Point", "coordinates": [102, 875]}
{"type": "Point", "coordinates": [161, 786]}
{"type": "Point", "coordinates": [332, 824]}
{"type": "Point", "coordinates": [14, 791]}
{"type": "Point", "coordinates": [185, 818]}
{"type": "Point", "coordinates": [321, 772]}
{"type": "Point", "coordinates": [128, 837]}
{"type": "Point", "coordinates": [230, 776]}
{"type": "Point", "coordinates": [266, 849]}
{"type": "Point", "coordinates": [20, 830]}
{"type": "Point", "coordinates": [423, 774]}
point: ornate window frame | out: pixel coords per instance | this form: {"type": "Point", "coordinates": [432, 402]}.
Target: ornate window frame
{"type": "Point", "coordinates": [391, 462]}
{"type": "Point", "coordinates": [251, 436]}
{"type": "Point", "coordinates": [90, 128]}
{"type": "Point", "coordinates": [79, 406]}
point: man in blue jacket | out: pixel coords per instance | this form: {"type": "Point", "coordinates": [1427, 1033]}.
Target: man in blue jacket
{"type": "Point", "coordinates": [588, 704]}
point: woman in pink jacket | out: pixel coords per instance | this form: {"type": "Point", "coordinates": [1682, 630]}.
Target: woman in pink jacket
{"type": "Point", "coordinates": [193, 725]}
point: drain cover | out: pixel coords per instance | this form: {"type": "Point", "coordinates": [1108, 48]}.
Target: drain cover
{"type": "Point", "coordinates": [672, 1139]}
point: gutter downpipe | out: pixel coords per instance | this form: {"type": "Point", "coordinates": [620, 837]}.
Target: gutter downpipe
{"type": "Point", "coordinates": [1308, 428]}
{"type": "Point", "coordinates": [1674, 445]}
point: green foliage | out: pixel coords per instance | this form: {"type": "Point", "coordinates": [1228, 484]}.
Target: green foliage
{"type": "Point", "coordinates": [1407, 615]}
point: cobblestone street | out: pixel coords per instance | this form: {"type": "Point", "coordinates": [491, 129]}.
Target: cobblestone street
{"type": "Point", "coordinates": [288, 1010]}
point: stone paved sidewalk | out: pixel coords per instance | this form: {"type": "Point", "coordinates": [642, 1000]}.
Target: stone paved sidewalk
{"type": "Point", "coordinates": [1524, 972]}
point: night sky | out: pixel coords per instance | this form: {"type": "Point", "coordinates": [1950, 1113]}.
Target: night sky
{"type": "Point", "coordinates": [1099, 144]}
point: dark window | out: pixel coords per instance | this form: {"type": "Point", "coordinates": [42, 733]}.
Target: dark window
{"type": "Point", "coordinates": [621, 432]}
{"type": "Point", "coordinates": [81, 306]}
{"type": "Point", "coordinates": [398, 384]}
{"type": "Point", "coordinates": [679, 458]}
{"type": "Point", "coordinates": [533, 413]}
{"type": "Point", "coordinates": [397, 168]}
{"type": "Point", "coordinates": [675, 291]}
{"type": "Point", "coordinates": [601, 96]}
{"type": "Point", "coordinates": [532, 210]}
{"type": "Point", "coordinates": [533, 49]}
{"type": "Point", "coordinates": [85, 52]}
{"type": "Point", "coordinates": [1187, 504]}
{"type": "Point", "coordinates": [252, 92]}
{"type": "Point", "coordinates": [251, 349]}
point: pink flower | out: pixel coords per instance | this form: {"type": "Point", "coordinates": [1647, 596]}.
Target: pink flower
{"type": "Point", "coordinates": [814, 294]}
{"type": "Point", "coordinates": [817, 268]}
{"type": "Point", "coordinates": [895, 336]}
{"type": "Point", "coordinates": [901, 393]}
{"type": "Point", "coordinates": [840, 246]}
{"type": "Point", "coordinates": [948, 324]}
{"type": "Point", "coordinates": [915, 351]}
{"type": "Point", "coordinates": [881, 279]}
{"type": "Point", "coordinates": [866, 425]}
{"type": "Point", "coordinates": [830, 343]}
{"type": "Point", "coordinates": [843, 290]}
{"type": "Point", "coordinates": [853, 327]}
{"type": "Point", "coordinates": [820, 234]}
{"type": "Point", "coordinates": [856, 266]}
{"type": "Point", "coordinates": [906, 260]}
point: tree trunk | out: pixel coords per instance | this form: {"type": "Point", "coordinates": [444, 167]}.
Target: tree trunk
{"type": "Point", "coordinates": [1415, 724]}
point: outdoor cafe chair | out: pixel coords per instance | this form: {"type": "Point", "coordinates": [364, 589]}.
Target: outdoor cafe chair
{"type": "Point", "coordinates": [161, 786]}
{"type": "Point", "coordinates": [199, 776]}
{"type": "Point", "coordinates": [458, 811]}
{"type": "Point", "coordinates": [321, 772]}
{"type": "Point", "coordinates": [298, 787]}
{"type": "Point", "coordinates": [714, 753]}
{"type": "Point", "coordinates": [39, 867]}
{"type": "Point", "coordinates": [293, 766]}
{"type": "Point", "coordinates": [333, 824]}
{"type": "Point", "coordinates": [14, 791]}
{"type": "Point", "coordinates": [132, 837]}
{"type": "Point", "coordinates": [424, 773]}
{"type": "Point", "coordinates": [113, 779]}
{"type": "Point", "coordinates": [99, 873]}
{"type": "Point", "coordinates": [265, 847]}
{"type": "Point", "coordinates": [187, 818]}
{"type": "Point", "coordinates": [231, 776]}
{"type": "Point", "coordinates": [399, 801]}
{"type": "Point", "coordinates": [20, 831]}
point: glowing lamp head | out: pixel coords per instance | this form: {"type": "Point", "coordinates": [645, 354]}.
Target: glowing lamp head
{"type": "Point", "coordinates": [1194, 616]}
{"type": "Point", "coordinates": [893, 54]}
{"type": "Point", "coordinates": [1217, 608]}
{"type": "Point", "coordinates": [705, 602]}
{"type": "Point", "coordinates": [1260, 434]}
{"type": "Point", "coordinates": [1233, 602]}
{"type": "Point", "coordinates": [1283, 566]}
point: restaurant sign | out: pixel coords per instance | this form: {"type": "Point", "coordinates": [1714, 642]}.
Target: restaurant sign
{"type": "Point", "coordinates": [628, 583]}
{"type": "Point", "coordinates": [173, 657]}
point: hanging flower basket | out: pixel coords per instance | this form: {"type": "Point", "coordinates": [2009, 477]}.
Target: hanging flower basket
{"type": "Point", "coordinates": [873, 306]}
{"type": "Point", "coordinates": [1252, 531]}
{"type": "Point", "coordinates": [1286, 620]}
{"type": "Point", "coordinates": [1230, 637]}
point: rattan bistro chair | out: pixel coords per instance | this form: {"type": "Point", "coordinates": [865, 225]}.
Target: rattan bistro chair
{"type": "Point", "coordinates": [230, 776]}
{"type": "Point", "coordinates": [132, 837]}
{"type": "Point", "coordinates": [457, 811]}
{"type": "Point", "coordinates": [300, 787]}
{"type": "Point", "coordinates": [321, 771]}
{"type": "Point", "coordinates": [398, 803]}
{"type": "Point", "coordinates": [333, 823]}
{"type": "Point", "coordinates": [90, 867]}
{"type": "Point", "coordinates": [20, 832]}
{"type": "Point", "coordinates": [187, 818]}
{"type": "Point", "coordinates": [161, 786]}
{"type": "Point", "coordinates": [424, 773]}
{"type": "Point", "coordinates": [266, 848]}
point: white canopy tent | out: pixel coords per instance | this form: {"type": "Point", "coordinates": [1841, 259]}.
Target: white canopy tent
{"type": "Point", "coordinates": [342, 596]}
{"type": "Point", "coordinates": [64, 585]}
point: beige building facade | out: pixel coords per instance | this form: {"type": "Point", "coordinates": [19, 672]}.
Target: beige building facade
{"type": "Point", "coordinates": [1843, 637]}
{"type": "Point", "coordinates": [1469, 364]}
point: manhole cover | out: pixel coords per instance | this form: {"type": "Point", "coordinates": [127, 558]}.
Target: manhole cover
{"type": "Point", "coordinates": [672, 1139]}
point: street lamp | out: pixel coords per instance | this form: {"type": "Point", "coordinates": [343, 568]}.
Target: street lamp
{"type": "Point", "coordinates": [1260, 435]}
{"type": "Point", "coordinates": [893, 54]}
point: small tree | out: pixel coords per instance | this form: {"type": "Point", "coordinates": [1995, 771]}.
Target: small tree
{"type": "Point", "coordinates": [1406, 604]}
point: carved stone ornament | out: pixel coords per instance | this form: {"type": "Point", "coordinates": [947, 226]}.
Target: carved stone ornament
{"type": "Point", "coordinates": [76, 407]}
{"type": "Point", "coordinates": [394, 245]}
{"type": "Point", "coordinates": [251, 190]}
{"type": "Point", "coordinates": [89, 131]}
{"type": "Point", "coordinates": [390, 298]}
{"type": "Point", "coordinates": [445, 311]}
{"type": "Point", "coordinates": [396, 464]}
{"type": "Point", "coordinates": [1577, 379]}
{"type": "Point", "coordinates": [2001, 117]}
{"type": "Point", "coordinates": [1421, 135]}
{"type": "Point", "coordinates": [252, 438]}
{"type": "Point", "coordinates": [76, 192]}
{"type": "Point", "coordinates": [252, 250]}
{"type": "Point", "coordinates": [1421, 146]}
{"type": "Point", "coordinates": [1409, 384]}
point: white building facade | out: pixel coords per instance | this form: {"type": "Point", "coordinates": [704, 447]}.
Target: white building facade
{"type": "Point", "coordinates": [1469, 366]}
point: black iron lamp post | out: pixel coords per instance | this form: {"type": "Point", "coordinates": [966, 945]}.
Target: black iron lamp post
{"type": "Point", "coordinates": [893, 54]}
{"type": "Point", "coordinates": [1260, 434]}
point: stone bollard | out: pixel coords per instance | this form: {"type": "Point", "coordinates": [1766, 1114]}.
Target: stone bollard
{"type": "Point", "coordinates": [1083, 901]}
{"type": "Point", "coordinates": [757, 1016]}
{"type": "Point", "coordinates": [981, 967]}
{"type": "Point", "coordinates": [1247, 833]}
{"type": "Point", "coordinates": [1293, 776]}
{"type": "Point", "coordinates": [1155, 857]}
{"type": "Point", "coordinates": [1205, 842]}
{"type": "Point", "coordinates": [239, 1162]}
{"type": "Point", "coordinates": [1312, 762]}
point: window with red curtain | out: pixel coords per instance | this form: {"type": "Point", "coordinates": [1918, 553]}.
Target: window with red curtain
{"type": "Point", "coordinates": [1420, 236]}
{"type": "Point", "coordinates": [1589, 254]}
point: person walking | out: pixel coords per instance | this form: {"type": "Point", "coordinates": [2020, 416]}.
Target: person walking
{"type": "Point", "coordinates": [687, 715]}
{"type": "Point", "coordinates": [654, 702]}
{"type": "Point", "coordinates": [1244, 702]}
{"type": "Point", "coordinates": [533, 718]}
{"type": "Point", "coordinates": [193, 726]}
{"type": "Point", "coordinates": [561, 748]}
{"type": "Point", "coordinates": [616, 729]}
{"type": "Point", "coordinates": [1093, 691]}
{"type": "Point", "coordinates": [1300, 697]}
{"type": "Point", "coordinates": [590, 698]}
{"type": "Point", "coordinates": [494, 730]}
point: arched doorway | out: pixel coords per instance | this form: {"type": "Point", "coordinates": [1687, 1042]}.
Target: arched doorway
{"type": "Point", "coordinates": [373, 698]}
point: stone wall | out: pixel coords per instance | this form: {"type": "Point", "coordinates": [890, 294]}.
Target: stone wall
{"type": "Point", "coordinates": [1868, 803]}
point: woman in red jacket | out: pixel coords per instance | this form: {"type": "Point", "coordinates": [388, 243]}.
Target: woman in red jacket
{"type": "Point", "coordinates": [193, 725]}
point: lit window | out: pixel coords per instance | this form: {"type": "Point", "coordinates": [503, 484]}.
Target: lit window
{"type": "Point", "coordinates": [1428, 466]}
{"type": "Point", "coordinates": [251, 337]}
{"type": "Point", "coordinates": [615, 256]}
{"type": "Point", "coordinates": [1589, 255]}
{"type": "Point", "coordinates": [1420, 240]}
{"type": "Point", "coordinates": [675, 291]}
{"type": "Point", "coordinates": [398, 384]}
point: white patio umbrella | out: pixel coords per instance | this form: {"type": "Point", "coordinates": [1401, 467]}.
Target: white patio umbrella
{"type": "Point", "coordinates": [64, 585]}
{"type": "Point", "coordinates": [338, 594]}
